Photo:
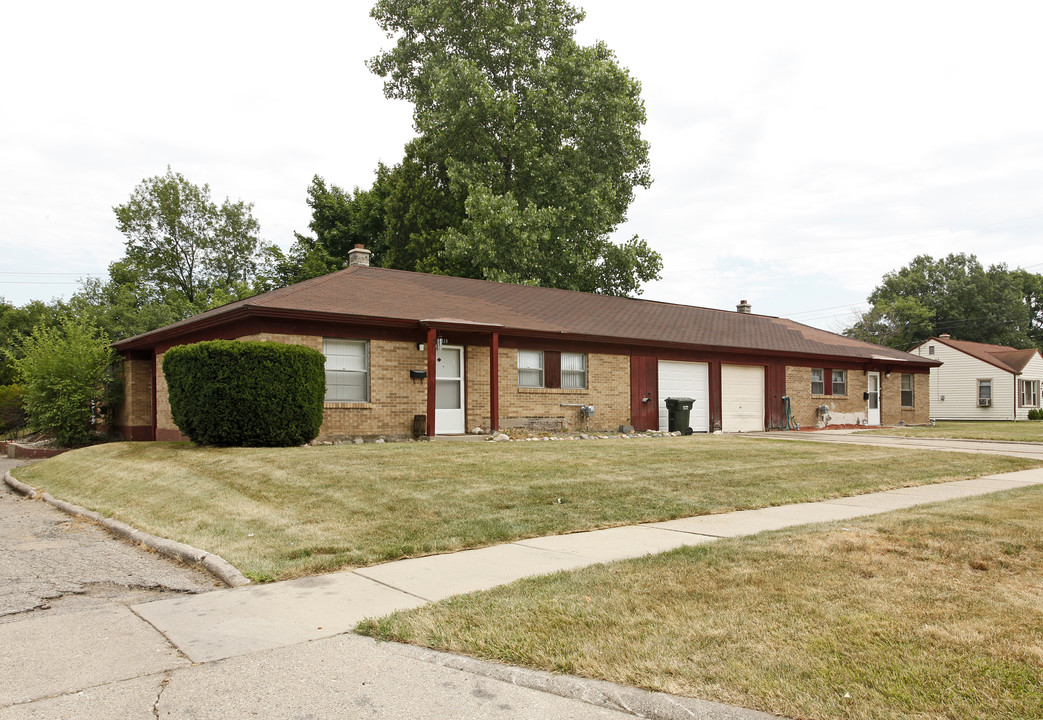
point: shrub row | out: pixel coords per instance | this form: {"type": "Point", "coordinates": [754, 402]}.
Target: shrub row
{"type": "Point", "coordinates": [236, 393]}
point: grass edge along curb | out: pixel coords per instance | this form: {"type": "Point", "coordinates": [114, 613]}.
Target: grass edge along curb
{"type": "Point", "coordinates": [214, 564]}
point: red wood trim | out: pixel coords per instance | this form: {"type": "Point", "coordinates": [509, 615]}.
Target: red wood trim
{"type": "Point", "coordinates": [155, 410]}
{"type": "Point", "coordinates": [494, 382]}
{"type": "Point", "coordinates": [551, 369]}
{"type": "Point", "coordinates": [714, 391]}
{"type": "Point", "coordinates": [432, 367]}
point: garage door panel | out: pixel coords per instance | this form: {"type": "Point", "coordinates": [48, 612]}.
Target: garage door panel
{"type": "Point", "coordinates": [742, 398]}
{"type": "Point", "coordinates": [685, 379]}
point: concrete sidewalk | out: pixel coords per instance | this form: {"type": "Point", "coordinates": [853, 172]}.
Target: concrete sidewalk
{"type": "Point", "coordinates": [855, 437]}
{"type": "Point", "coordinates": [229, 623]}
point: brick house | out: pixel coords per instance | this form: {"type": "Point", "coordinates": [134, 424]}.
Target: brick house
{"type": "Point", "coordinates": [506, 356]}
{"type": "Point", "coordinates": [979, 381]}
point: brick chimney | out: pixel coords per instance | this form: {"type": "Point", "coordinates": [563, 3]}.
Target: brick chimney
{"type": "Point", "coordinates": [744, 307]}
{"type": "Point", "coordinates": [358, 256]}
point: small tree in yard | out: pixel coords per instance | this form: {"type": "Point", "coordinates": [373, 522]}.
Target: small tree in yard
{"type": "Point", "coordinates": [63, 371]}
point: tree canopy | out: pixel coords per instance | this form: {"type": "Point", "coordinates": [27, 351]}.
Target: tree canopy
{"type": "Point", "coordinates": [528, 153]}
{"type": "Point", "coordinates": [180, 241]}
{"type": "Point", "coordinates": [954, 295]}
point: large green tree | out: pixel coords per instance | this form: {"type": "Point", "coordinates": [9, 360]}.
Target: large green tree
{"type": "Point", "coordinates": [180, 241]}
{"type": "Point", "coordinates": [528, 153]}
{"type": "Point", "coordinates": [954, 295]}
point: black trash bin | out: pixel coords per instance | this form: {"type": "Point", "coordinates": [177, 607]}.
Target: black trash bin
{"type": "Point", "coordinates": [679, 410]}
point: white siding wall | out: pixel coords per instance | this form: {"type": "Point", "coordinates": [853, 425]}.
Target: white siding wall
{"type": "Point", "coordinates": [1032, 371]}
{"type": "Point", "coordinates": [957, 382]}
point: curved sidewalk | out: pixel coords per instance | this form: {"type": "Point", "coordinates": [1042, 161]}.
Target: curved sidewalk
{"type": "Point", "coordinates": [854, 437]}
{"type": "Point", "coordinates": [227, 623]}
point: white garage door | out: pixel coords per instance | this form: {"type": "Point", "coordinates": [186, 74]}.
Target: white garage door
{"type": "Point", "coordinates": [685, 379]}
{"type": "Point", "coordinates": [742, 398]}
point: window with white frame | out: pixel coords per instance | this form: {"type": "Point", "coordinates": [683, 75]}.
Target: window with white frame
{"type": "Point", "coordinates": [984, 393]}
{"type": "Point", "coordinates": [839, 382]}
{"type": "Point", "coordinates": [1029, 393]}
{"type": "Point", "coordinates": [818, 381]}
{"type": "Point", "coordinates": [530, 368]}
{"type": "Point", "coordinates": [574, 370]}
{"type": "Point", "coordinates": [347, 370]}
{"type": "Point", "coordinates": [907, 390]}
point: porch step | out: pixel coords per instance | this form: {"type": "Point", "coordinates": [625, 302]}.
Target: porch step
{"type": "Point", "coordinates": [460, 438]}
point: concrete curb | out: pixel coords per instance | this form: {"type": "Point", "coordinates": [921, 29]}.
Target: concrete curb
{"type": "Point", "coordinates": [214, 564]}
{"type": "Point", "coordinates": [642, 703]}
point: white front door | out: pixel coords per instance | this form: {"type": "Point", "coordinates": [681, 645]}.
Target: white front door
{"type": "Point", "coordinates": [449, 391]}
{"type": "Point", "coordinates": [873, 400]}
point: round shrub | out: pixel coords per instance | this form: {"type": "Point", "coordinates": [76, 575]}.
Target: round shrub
{"type": "Point", "coordinates": [231, 392]}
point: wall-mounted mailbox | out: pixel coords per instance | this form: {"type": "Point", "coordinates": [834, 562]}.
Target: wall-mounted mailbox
{"type": "Point", "coordinates": [418, 374]}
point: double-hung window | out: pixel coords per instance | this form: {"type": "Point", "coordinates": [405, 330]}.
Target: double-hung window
{"type": "Point", "coordinates": [1029, 394]}
{"type": "Point", "coordinates": [530, 368]}
{"type": "Point", "coordinates": [574, 370]}
{"type": "Point", "coordinates": [818, 381]}
{"type": "Point", "coordinates": [347, 370]}
{"type": "Point", "coordinates": [907, 390]}
{"type": "Point", "coordinates": [552, 369]}
{"type": "Point", "coordinates": [839, 382]}
{"type": "Point", "coordinates": [984, 393]}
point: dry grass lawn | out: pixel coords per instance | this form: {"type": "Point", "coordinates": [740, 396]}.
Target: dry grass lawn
{"type": "Point", "coordinates": [933, 612]}
{"type": "Point", "coordinates": [1028, 431]}
{"type": "Point", "coordinates": [286, 512]}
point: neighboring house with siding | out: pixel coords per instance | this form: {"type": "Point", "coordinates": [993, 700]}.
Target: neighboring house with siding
{"type": "Point", "coordinates": [468, 353]}
{"type": "Point", "coordinates": [978, 381]}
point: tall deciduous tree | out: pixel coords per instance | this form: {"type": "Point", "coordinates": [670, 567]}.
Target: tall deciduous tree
{"type": "Point", "coordinates": [954, 295]}
{"type": "Point", "coordinates": [528, 154]}
{"type": "Point", "coordinates": [178, 239]}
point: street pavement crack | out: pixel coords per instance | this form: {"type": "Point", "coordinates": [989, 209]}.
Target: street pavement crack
{"type": "Point", "coordinates": [159, 695]}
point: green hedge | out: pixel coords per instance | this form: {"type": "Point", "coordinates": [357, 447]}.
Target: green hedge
{"type": "Point", "coordinates": [236, 393]}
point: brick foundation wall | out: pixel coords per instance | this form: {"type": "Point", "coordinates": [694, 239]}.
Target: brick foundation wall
{"type": "Point", "coordinates": [851, 407]}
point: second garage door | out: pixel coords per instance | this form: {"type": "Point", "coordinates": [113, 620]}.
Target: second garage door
{"type": "Point", "coordinates": [742, 398]}
{"type": "Point", "coordinates": [685, 379]}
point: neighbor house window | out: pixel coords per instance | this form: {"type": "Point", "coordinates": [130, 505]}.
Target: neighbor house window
{"type": "Point", "coordinates": [347, 370]}
{"type": "Point", "coordinates": [930, 349]}
{"type": "Point", "coordinates": [840, 382]}
{"type": "Point", "coordinates": [574, 370]}
{"type": "Point", "coordinates": [907, 391]}
{"type": "Point", "coordinates": [1029, 393]}
{"type": "Point", "coordinates": [818, 381]}
{"type": "Point", "coordinates": [984, 393]}
{"type": "Point", "coordinates": [530, 368]}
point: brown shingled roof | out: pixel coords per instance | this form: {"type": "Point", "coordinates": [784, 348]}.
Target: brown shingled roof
{"type": "Point", "coordinates": [1004, 357]}
{"type": "Point", "coordinates": [397, 295]}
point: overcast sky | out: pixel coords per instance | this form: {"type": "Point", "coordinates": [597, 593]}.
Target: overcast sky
{"type": "Point", "coordinates": [799, 150]}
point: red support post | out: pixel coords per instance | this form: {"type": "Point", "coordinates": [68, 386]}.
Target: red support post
{"type": "Point", "coordinates": [432, 370]}
{"type": "Point", "coordinates": [494, 382]}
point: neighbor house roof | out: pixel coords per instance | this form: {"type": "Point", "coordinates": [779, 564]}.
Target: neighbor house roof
{"type": "Point", "coordinates": [399, 297]}
{"type": "Point", "coordinates": [1004, 357]}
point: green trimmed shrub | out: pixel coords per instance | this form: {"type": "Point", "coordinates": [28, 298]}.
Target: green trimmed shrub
{"type": "Point", "coordinates": [1035, 415]}
{"type": "Point", "coordinates": [251, 394]}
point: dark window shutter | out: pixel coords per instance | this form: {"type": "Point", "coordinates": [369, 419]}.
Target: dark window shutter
{"type": "Point", "coordinates": [551, 369]}
{"type": "Point", "coordinates": [827, 378]}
